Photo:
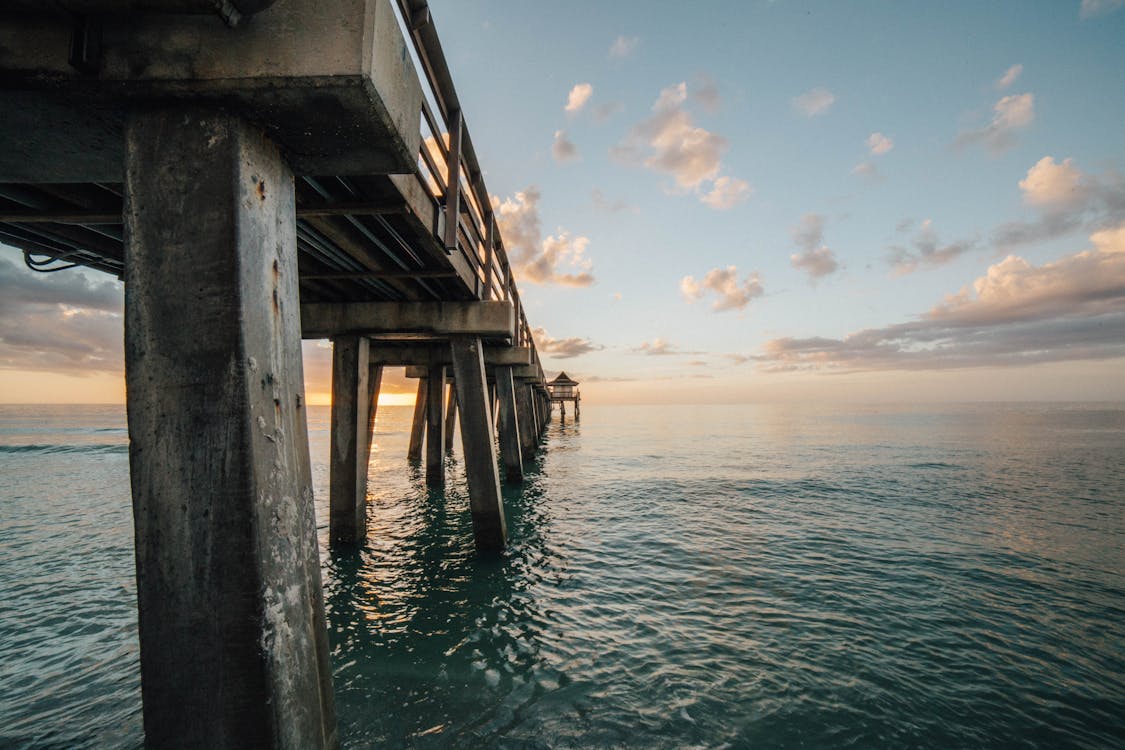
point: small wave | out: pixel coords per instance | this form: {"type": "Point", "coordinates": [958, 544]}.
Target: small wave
{"type": "Point", "coordinates": [97, 448]}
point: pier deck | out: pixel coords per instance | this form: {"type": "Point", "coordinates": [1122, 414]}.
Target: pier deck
{"type": "Point", "coordinates": [260, 172]}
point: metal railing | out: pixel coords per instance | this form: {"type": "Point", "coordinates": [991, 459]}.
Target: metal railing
{"type": "Point", "coordinates": [449, 171]}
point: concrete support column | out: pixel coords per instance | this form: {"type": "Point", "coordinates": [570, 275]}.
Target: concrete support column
{"type": "Point", "coordinates": [510, 451]}
{"type": "Point", "coordinates": [435, 427]}
{"type": "Point", "coordinates": [525, 412]}
{"type": "Point", "coordinates": [350, 440]}
{"type": "Point", "coordinates": [418, 425]}
{"type": "Point", "coordinates": [450, 418]}
{"type": "Point", "coordinates": [233, 645]}
{"type": "Point", "coordinates": [374, 380]}
{"type": "Point", "coordinates": [477, 444]}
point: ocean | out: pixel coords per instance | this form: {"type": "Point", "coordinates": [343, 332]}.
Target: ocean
{"type": "Point", "coordinates": [678, 576]}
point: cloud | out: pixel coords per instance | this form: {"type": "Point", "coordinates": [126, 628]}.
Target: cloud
{"type": "Point", "coordinates": [562, 348]}
{"type": "Point", "coordinates": [726, 193]}
{"type": "Point", "coordinates": [562, 149]}
{"type": "Point", "coordinates": [1067, 200]}
{"type": "Point", "coordinates": [1009, 77]}
{"type": "Point", "coordinates": [675, 145]}
{"type": "Point", "coordinates": [615, 206]}
{"type": "Point", "coordinates": [1094, 8]}
{"type": "Point", "coordinates": [815, 258]}
{"type": "Point", "coordinates": [578, 97]}
{"type": "Point", "coordinates": [61, 322]}
{"type": "Point", "coordinates": [879, 144]}
{"type": "Point", "coordinates": [538, 260]}
{"type": "Point", "coordinates": [926, 250]}
{"type": "Point", "coordinates": [707, 94]}
{"type": "Point", "coordinates": [815, 102]}
{"type": "Point", "coordinates": [623, 46]}
{"type": "Point", "coordinates": [738, 359]}
{"type": "Point", "coordinates": [1052, 185]}
{"type": "Point", "coordinates": [723, 282]}
{"type": "Point", "coordinates": [659, 348]}
{"type": "Point", "coordinates": [816, 263]}
{"type": "Point", "coordinates": [1009, 115]}
{"type": "Point", "coordinates": [868, 171]}
{"type": "Point", "coordinates": [1017, 313]}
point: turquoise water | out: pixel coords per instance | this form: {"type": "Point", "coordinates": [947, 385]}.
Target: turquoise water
{"type": "Point", "coordinates": [758, 576]}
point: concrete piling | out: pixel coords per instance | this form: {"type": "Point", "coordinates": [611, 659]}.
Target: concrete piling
{"type": "Point", "coordinates": [418, 424]}
{"type": "Point", "coordinates": [233, 646]}
{"type": "Point", "coordinates": [450, 418]}
{"type": "Point", "coordinates": [350, 440]}
{"type": "Point", "coordinates": [525, 413]}
{"type": "Point", "coordinates": [510, 451]}
{"type": "Point", "coordinates": [435, 427]}
{"type": "Point", "coordinates": [485, 502]}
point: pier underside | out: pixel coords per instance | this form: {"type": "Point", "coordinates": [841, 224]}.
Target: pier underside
{"type": "Point", "coordinates": [256, 181]}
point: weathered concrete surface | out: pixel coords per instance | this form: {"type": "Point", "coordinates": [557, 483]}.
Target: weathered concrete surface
{"type": "Point", "coordinates": [418, 424]}
{"type": "Point", "coordinates": [435, 427]}
{"type": "Point", "coordinates": [374, 381]}
{"type": "Point", "coordinates": [426, 354]}
{"type": "Point", "coordinates": [510, 451]}
{"type": "Point", "coordinates": [350, 440]}
{"type": "Point", "coordinates": [332, 83]}
{"type": "Point", "coordinates": [450, 419]}
{"type": "Point", "coordinates": [492, 319]}
{"type": "Point", "coordinates": [525, 412]}
{"type": "Point", "coordinates": [477, 444]}
{"type": "Point", "coordinates": [234, 650]}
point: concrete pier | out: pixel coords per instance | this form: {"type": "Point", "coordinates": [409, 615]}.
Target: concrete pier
{"type": "Point", "coordinates": [435, 427]}
{"type": "Point", "coordinates": [489, 527]}
{"type": "Point", "coordinates": [525, 414]}
{"type": "Point", "coordinates": [233, 642]}
{"type": "Point", "coordinates": [510, 451]}
{"type": "Point", "coordinates": [450, 419]}
{"type": "Point", "coordinates": [352, 418]}
{"type": "Point", "coordinates": [418, 423]}
{"type": "Point", "coordinates": [301, 132]}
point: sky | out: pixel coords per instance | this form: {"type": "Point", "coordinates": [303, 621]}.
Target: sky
{"type": "Point", "coordinates": [760, 201]}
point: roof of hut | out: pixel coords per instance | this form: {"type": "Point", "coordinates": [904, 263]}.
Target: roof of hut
{"type": "Point", "coordinates": [563, 379]}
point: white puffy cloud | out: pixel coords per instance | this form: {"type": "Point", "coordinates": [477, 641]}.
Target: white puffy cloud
{"type": "Point", "coordinates": [925, 250]}
{"type": "Point", "coordinates": [730, 293]}
{"type": "Point", "coordinates": [1017, 313]}
{"type": "Point", "coordinates": [675, 145]}
{"type": "Point", "coordinates": [563, 149]}
{"type": "Point", "coordinates": [727, 192]}
{"type": "Point", "coordinates": [1067, 200]}
{"type": "Point", "coordinates": [578, 97]}
{"type": "Point", "coordinates": [1009, 115]}
{"type": "Point", "coordinates": [558, 259]}
{"type": "Point", "coordinates": [623, 46]}
{"type": "Point", "coordinates": [815, 258]}
{"type": "Point", "coordinates": [1052, 185]}
{"type": "Point", "coordinates": [879, 144]}
{"type": "Point", "coordinates": [1009, 77]}
{"type": "Point", "coordinates": [814, 102]}
{"type": "Point", "coordinates": [1094, 8]}
{"type": "Point", "coordinates": [562, 348]}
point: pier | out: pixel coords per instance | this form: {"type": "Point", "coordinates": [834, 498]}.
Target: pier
{"type": "Point", "coordinates": [259, 173]}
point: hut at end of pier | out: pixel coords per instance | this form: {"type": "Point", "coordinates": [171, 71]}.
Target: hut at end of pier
{"type": "Point", "coordinates": [563, 389]}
